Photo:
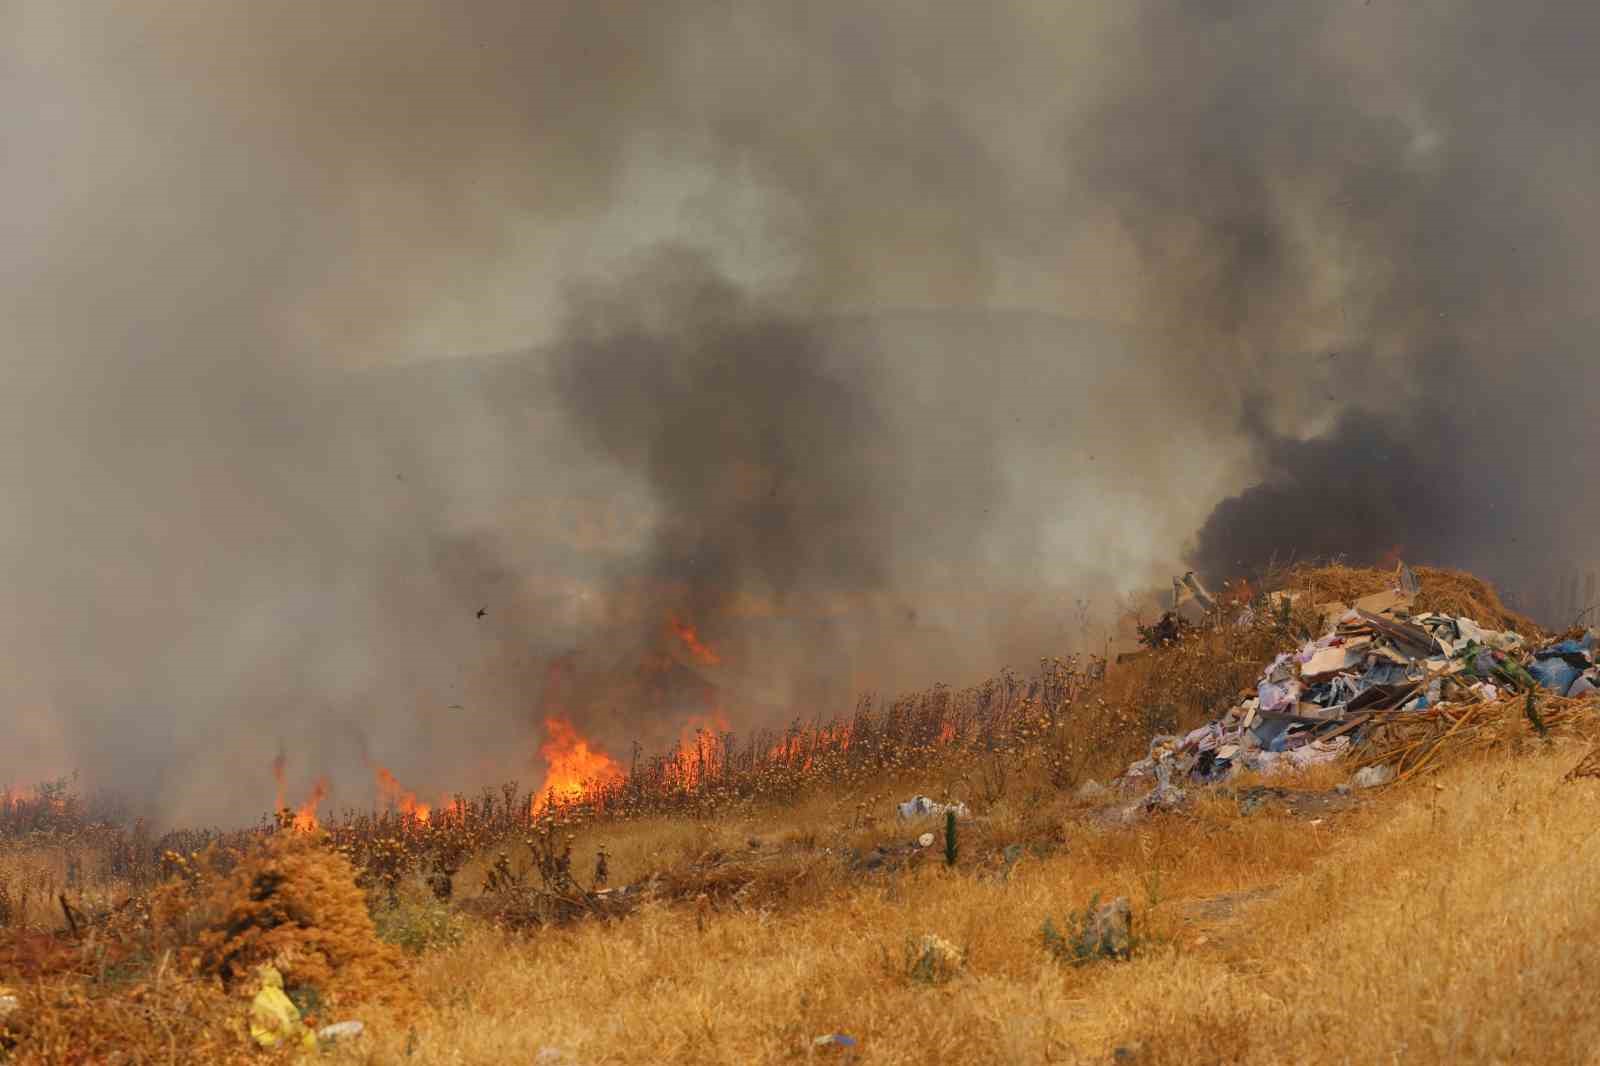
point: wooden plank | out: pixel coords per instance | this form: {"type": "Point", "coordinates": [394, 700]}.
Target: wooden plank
{"type": "Point", "coordinates": [1385, 695]}
{"type": "Point", "coordinates": [1354, 723]}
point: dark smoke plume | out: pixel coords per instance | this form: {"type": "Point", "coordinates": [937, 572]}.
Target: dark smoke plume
{"type": "Point", "coordinates": [766, 453]}
{"type": "Point", "coordinates": [1360, 493]}
{"type": "Point", "coordinates": [1362, 221]}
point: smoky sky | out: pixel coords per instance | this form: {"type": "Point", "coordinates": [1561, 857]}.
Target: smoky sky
{"type": "Point", "coordinates": [892, 344]}
{"type": "Point", "coordinates": [1385, 277]}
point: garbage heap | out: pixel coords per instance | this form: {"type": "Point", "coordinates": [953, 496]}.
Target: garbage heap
{"type": "Point", "coordinates": [1375, 663]}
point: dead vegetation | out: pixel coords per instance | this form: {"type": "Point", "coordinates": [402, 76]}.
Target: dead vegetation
{"type": "Point", "coordinates": [1515, 724]}
{"type": "Point", "coordinates": [773, 901]}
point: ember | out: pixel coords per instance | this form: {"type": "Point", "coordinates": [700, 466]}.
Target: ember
{"type": "Point", "coordinates": [698, 650]}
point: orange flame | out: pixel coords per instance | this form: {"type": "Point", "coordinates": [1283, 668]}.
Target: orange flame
{"type": "Point", "coordinates": [399, 797]}
{"type": "Point", "coordinates": [572, 766]}
{"type": "Point", "coordinates": [801, 747]}
{"type": "Point", "coordinates": [701, 744]}
{"type": "Point", "coordinates": [1391, 558]}
{"type": "Point", "coordinates": [698, 650]}
{"type": "Point", "coordinates": [306, 816]}
{"type": "Point", "coordinates": [947, 732]}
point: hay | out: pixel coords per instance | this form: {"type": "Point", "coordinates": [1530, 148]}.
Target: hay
{"type": "Point", "coordinates": [1452, 592]}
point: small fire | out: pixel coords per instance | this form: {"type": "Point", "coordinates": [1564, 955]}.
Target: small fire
{"type": "Point", "coordinates": [947, 732]}
{"type": "Point", "coordinates": [1391, 558]}
{"type": "Point", "coordinates": [399, 797]}
{"type": "Point", "coordinates": [15, 799]}
{"type": "Point", "coordinates": [701, 745]}
{"type": "Point", "coordinates": [572, 766]}
{"type": "Point", "coordinates": [306, 816]}
{"type": "Point", "coordinates": [799, 749]}
{"type": "Point", "coordinates": [698, 650]}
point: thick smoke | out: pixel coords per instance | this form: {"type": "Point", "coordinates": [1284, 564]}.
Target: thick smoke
{"type": "Point", "coordinates": [1366, 222]}
{"type": "Point", "coordinates": [767, 456]}
{"type": "Point", "coordinates": [888, 344]}
{"type": "Point", "coordinates": [767, 463]}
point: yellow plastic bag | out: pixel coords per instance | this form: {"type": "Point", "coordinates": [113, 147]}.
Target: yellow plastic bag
{"type": "Point", "coordinates": [273, 1018]}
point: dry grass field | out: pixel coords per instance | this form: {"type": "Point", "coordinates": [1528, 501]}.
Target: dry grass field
{"type": "Point", "coordinates": [1451, 922]}
{"type": "Point", "coordinates": [1448, 918]}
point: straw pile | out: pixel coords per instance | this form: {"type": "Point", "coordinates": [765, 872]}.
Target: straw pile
{"type": "Point", "coordinates": [1452, 592]}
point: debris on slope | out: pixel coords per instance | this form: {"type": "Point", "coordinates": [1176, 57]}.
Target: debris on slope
{"type": "Point", "coordinates": [1192, 606]}
{"type": "Point", "coordinates": [923, 807]}
{"type": "Point", "coordinates": [1379, 664]}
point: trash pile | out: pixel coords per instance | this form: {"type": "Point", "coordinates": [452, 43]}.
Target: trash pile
{"type": "Point", "coordinates": [1376, 663]}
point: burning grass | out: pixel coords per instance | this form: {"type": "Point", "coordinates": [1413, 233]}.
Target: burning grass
{"type": "Point", "coordinates": [1264, 939]}
{"type": "Point", "coordinates": [1043, 733]}
{"type": "Point", "coordinates": [733, 898]}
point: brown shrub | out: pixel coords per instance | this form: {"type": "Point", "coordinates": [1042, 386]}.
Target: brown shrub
{"type": "Point", "coordinates": [168, 1019]}
{"type": "Point", "coordinates": [295, 904]}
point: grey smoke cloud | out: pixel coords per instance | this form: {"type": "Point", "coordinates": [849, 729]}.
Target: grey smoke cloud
{"type": "Point", "coordinates": [875, 336]}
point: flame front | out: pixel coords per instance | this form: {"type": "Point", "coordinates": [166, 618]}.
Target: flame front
{"type": "Point", "coordinates": [698, 650]}
{"type": "Point", "coordinates": [399, 797]}
{"type": "Point", "coordinates": [799, 749]}
{"type": "Point", "coordinates": [572, 767]}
